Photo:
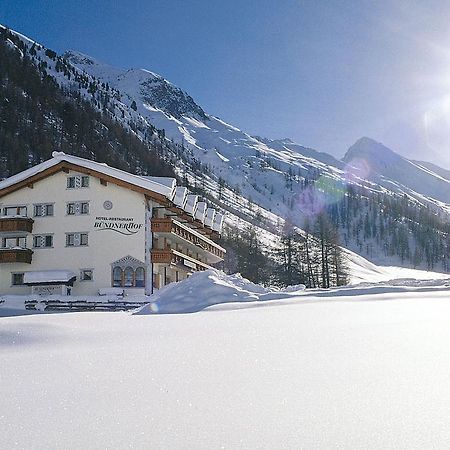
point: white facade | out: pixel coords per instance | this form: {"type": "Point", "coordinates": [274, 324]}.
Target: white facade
{"type": "Point", "coordinates": [107, 227]}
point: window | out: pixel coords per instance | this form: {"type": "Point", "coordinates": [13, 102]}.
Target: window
{"type": "Point", "coordinates": [117, 277]}
{"type": "Point", "coordinates": [77, 181]}
{"type": "Point", "coordinates": [128, 277]}
{"type": "Point", "coordinates": [77, 208]}
{"type": "Point", "coordinates": [76, 239]}
{"type": "Point", "coordinates": [17, 279]}
{"type": "Point", "coordinates": [83, 239]}
{"type": "Point", "coordinates": [11, 242]}
{"type": "Point", "coordinates": [86, 275]}
{"type": "Point", "coordinates": [43, 241]}
{"type": "Point", "coordinates": [139, 277]}
{"type": "Point", "coordinates": [15, 211]}
{"type": "Point", "coordinates": [44, 209]}
{"type": "Point", "coordinates": [71, 183]}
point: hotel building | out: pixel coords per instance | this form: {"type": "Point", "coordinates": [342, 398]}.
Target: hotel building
{"type": "Point", "coordinates": [74, 226]}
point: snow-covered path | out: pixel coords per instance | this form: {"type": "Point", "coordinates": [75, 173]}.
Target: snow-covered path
{"type": "Point", "coordinates": [355, 372]}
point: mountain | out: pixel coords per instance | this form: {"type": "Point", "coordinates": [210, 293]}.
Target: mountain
{"type": "Point", "coordinates": [381, 205]}
{"type": "Point", "coordinates": [384, 166]}
{"type": "Point", "coordinates": [37, 115]}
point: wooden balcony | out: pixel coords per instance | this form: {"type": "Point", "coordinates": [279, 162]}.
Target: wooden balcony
{"type": "Point", "coordinates": [16, 224]}
{"type": "Point", "coordinates": [168, 225]}
{"type": "Point", "coordinates": [162, 225]}
{"type": "Point", "coordinates": [168, 256]}
{"type": "Point", "coordinates": [15, 255]}
{"type": "Point", "coordinates": [161, 256]}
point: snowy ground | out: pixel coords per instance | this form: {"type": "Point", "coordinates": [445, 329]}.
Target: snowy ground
{"type": "Point", "coordinates": [358, 368]}
{"type": "Point", "coordinates": [363, 271]}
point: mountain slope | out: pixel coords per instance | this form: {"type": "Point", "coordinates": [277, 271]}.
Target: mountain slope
{"type": "Point", "coordinates": [384, 166]}
{"type": "Point", "coordinates": [379, 213]}
{"type": "Point", "coordinates": [37, 117]}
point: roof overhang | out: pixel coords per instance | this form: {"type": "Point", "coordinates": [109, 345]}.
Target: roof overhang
{"type": "Point", "coordinates": [65, 166]}
{"type": "Point", "coordinates": [46, 277]}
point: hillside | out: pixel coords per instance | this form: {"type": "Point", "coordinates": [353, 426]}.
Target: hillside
{"type": "Point", "coordinates": [393, 214]}
{"type": "Point", "coordinates": [37, 116]}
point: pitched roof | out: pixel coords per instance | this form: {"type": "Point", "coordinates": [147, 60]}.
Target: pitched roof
{"type": "Point", "coordinates": [165, 187]}
{"type": "Point", "coordinates": [161, 185]}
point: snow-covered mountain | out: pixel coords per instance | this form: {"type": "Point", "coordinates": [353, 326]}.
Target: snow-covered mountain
{"type": "Point", "coordinates": [384, 166]}
{"type": "Point", "coordinates": [266, 181]}
{"type": "Point", "coordinates": [233, 153]}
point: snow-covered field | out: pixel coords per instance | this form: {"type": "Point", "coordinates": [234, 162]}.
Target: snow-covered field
{"type": "Point", "coordinates": [363, 367]}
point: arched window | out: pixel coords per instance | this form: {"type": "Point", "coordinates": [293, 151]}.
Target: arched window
{"type": "Point", "coordinates": [128, 279]}
{"type": "Point", "coordinates": [128, 272]}
{"type": "Point", "coordinates": [139, 277]}
{"type": "Point", "coordinates": [117, 277]}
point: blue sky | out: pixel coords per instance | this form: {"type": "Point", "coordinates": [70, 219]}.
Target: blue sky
{"type": "Point", "coordinates": [321, 72]}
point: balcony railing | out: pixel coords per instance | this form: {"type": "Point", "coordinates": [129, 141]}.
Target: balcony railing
{"type": "Point", "coordinates": [161, 256]}
{"type": "Point", "coordinates": [168, 256]}
{"type": "Point", "coordinates": [167, 225]}
{"type": "Point", "coordinates": [16, 255]}
{"type": "Point", "coordinates": [15, 224]}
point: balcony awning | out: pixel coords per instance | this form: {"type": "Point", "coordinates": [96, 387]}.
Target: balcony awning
{"type": "Point", "coordinates": [37, 277]}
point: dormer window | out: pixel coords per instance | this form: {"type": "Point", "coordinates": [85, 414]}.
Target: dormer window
{"type": "Point", "coordinates": [77, 182]}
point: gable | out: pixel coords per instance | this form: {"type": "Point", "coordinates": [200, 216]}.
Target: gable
{"type": "Point", "coordinates": [128, 261]}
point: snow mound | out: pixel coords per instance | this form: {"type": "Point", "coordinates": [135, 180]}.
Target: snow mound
{"type": "Point", "coordinates": [203, 289]}
{"type": "Point", "coordinates": [294, 288]}
{"type": "Point", "coordinates": [363, 271]}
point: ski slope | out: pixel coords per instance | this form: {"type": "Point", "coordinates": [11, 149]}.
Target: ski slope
{"type": "Point", "coordinates": [362, 368]}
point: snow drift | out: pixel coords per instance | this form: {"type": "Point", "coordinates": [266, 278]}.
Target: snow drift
{"type": "Point", "coordinates": [203, 289]}
{"type": "Point", "coordinates": [366, 372]}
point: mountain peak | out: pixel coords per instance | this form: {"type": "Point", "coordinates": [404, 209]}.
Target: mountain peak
{"type": "Point", "coordinates": [141, 85]}
{"type": "Point", "coordinates": [78, 58]}
{"type": "Point", "coordinates": [365, 140]}
{"type": "Point", "coordinates": [378, 155]}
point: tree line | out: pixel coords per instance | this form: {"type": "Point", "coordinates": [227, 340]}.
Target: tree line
{"type": "Point", "coordinates": [312, 256]}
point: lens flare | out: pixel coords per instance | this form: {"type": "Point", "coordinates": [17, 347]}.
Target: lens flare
{"type": "Point", "coordinates": [332, 190]}
{"type": "Point", "coordinates": [310, 202]}
{"type": "Point", "coordinates": [313, 199]}
{"type": "Point", "coordinates": [436, 123]}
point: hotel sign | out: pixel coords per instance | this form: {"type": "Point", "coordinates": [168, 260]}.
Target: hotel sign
{"type": "Point", "coordinates": [123, 225]}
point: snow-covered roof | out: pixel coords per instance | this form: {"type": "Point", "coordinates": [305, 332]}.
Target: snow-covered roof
{"type": "Point", "coordinates": [164, 186]}
{"type": "Point", "coordinates": [180, 196]}
{"type": "Point", "coordinates": [218, 222]}
{"type": "Point", "coordinates": [209, 217]}
{"type": "Point", "coordinates": [201, 210]}
{"type": "Point", "coordinates": [161, 185]}
{"type": "Point", "coordinates": [48, 276]}
{"type": "Point", "coordinates": [191, 204]}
